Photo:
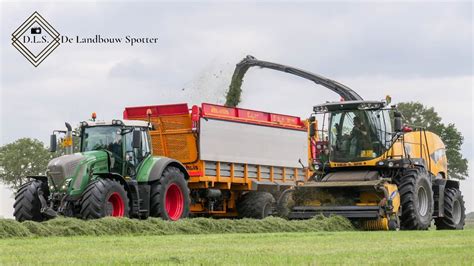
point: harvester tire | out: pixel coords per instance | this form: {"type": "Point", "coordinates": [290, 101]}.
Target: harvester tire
{"type": "Point", "coordinates": [256, 204]}
{"type": "Point", "coordinates": [170, 196]}
{"type": "Point", "coordinates": [27, 204]}
{"type": "Point", "coordinates": [454, 211]}
{"type": "Point", "coordinates": [416, 198]}
{"type": "Point", "coordinates": [104, 197]}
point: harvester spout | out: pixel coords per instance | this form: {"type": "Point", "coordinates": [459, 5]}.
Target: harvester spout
{"type": "Point", "coordinates": [233, 95]}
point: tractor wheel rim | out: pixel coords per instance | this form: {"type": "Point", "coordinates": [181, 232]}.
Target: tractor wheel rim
{"type": "Point", "coordinates": [422, 201]}
{"type": "Point", "coordinates": [174, 202]}
{"type": "Point", "coordinates": [457, 212]}
{"type": "Point", "coordinates": [117, 205]}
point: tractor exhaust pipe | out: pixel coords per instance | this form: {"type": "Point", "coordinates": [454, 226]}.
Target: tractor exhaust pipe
{"type": "Point", "coordinates": [68, 145]}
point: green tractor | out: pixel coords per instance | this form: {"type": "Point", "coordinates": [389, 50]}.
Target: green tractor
{"type": "Point", "coordinates": [114, 174]}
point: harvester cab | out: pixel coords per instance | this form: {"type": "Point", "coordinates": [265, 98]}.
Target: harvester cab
{"type": "Point", "coordinates": [382, 175]}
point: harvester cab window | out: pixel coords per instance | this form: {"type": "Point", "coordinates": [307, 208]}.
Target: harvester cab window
{"type": "Point", "coordinates": [356, 136]}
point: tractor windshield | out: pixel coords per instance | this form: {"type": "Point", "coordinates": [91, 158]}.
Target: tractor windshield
{"type": "Point", "coordinates": [105, 138]}
{"type": "Point", "coordinates": [102, 138]}
{"type": "Point", "coordinates": [359, 135]}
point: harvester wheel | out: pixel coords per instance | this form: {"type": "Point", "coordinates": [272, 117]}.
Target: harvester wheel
{"type": "Point", "coordinates": [169, 196]}
{"type": "Point", "coordinates": [104, 197]}
{"type": "Point", "coordinates": [454, 211]}
{"type": "Point", "coordinates": [256, 204]}
{"type": "Point", "coordinates": [27, 204]}
{"type": "Point", "coordinates": [416, 198]}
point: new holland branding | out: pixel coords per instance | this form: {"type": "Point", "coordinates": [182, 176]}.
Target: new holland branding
{"type": "Point", "coordinates": [36, 39]}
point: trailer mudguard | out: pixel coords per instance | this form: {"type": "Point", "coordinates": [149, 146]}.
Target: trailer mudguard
{"type": "Point", "coordinates": [153, 167]}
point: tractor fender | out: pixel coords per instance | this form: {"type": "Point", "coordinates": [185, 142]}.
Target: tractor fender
{"type": "Point", "coordinates": [115, 177]}
{"type": "Point", "coordinates": [39, 178]}
{"type": "Point", "coordinates": [154, 167]}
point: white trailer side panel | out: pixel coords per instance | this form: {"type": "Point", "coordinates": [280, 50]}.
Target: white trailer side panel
{"type": "Point", "coordinates": [235, 142]}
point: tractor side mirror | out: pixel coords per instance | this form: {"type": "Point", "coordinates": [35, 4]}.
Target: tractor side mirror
{"type": "Point", "coordinates": [312, 126]}
{"type": "Point", "coordinates": [398, 124]}
{"type": "Point", "coordinates": [53, 143]}
{"type": "Point", "coordinates": [137, 139]}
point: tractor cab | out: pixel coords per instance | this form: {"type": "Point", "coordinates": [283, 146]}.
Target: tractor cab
{"type": "Point", "coordinates": [126, 141]}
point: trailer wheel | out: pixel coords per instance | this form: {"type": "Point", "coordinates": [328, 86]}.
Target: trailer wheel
{"type": "Point", "coordinates": [104, 197]}
{"type": "Point", "coordinates": [285, 203]}
{"type": "Point", "coordinates": [454, 211]}
{"type": "Point", "coordinates": [27, 204]}
{"type": "Point", "coordinates": [256, 204]}
{"type": "Point", "coordinates": [170, 198]}
{"type": "Point", "coordinates": [416, 198]}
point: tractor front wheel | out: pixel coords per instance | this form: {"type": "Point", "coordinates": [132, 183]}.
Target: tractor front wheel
{"type": "Point", "coordinates": [27, 203]}
{"type": "Point", "coordinates": [104, 197]}
{"type": "Point", "coordinates": [170, 198]}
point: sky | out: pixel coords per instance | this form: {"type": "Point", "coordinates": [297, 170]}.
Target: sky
{"type": "Point", "coordinates": [413, 51]}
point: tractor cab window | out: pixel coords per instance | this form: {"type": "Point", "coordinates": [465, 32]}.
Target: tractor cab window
{"type": "Point", "coordinates": [358, 135]}
{"type": "Point", "coordinates": [136, 156]}
{"type": "Point", "coordinates": [107, 138]}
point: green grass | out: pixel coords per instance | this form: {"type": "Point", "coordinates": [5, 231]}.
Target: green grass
{"type": "Point", "coordinates": [356, 247]}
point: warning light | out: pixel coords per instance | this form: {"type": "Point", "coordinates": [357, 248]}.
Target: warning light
{"type": "Point", "coordinates": [148, 112]}
{"type": "Point", "coordinates": [94, 116]}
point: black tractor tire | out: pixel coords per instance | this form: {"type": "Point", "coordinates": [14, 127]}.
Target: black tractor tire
{"type": "Point", "coordinates": [256, 204]}
{"type": "Point", "coordinates": [104, 197]}
{"type": "Point", "coordinates": [169, 196]}
{"type": "Point", "coordinates": [285, 203]}
{"type": "Point", "coordinates": [27, 204]}
{"type": "Point", "coordinates": [416, 197]}
{"type": "Point", "coordinates": [454, 211]}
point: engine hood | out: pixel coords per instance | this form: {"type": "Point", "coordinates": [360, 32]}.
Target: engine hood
{"type": "Point", "coordinates": [76, 167]}
{"type": "Point", "coordinates": [63, 167]}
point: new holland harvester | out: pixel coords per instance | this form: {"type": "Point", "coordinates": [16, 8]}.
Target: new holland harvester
{"type": "Point", "coordinates": [368, 166]}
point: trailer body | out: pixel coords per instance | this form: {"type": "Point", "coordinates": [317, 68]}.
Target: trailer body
{"type": "Point", "coordinates": [228, 152]}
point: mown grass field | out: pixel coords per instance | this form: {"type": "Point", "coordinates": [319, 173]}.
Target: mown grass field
{"type": "Point", "coordinates": [310, 248]}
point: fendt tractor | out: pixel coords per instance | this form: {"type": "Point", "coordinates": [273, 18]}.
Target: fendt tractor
{"type": "Point", "coordinates": [170, 161]}
{"type": "Point", "coordinates": [367, 165]}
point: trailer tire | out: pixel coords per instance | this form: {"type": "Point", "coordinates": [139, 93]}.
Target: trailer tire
{"type": "Point", "coordinates": [416, 198]}
{"type": "Point", "coordinates": [170, 196]}
{"type": "Point", "coordinates": [27, 204]}
{"type": "Point", "coordinates": [454, 211]}
{"type": "Point", "coordinates": [285, 203]}
{"type": "Point", "coordinates": [104, 197]}
{"type": "Point", "coordinates": [256, 204]}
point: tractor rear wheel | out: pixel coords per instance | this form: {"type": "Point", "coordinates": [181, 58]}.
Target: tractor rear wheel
{"type": "Point", "coordinates": [416, 198]}
{"type": "Point", "coordinates": [256, 204]}
{"type": "Point", "coordinates": [454, 211]}
{"type": "Point", "coordinates": [27, 204]}
{"type": "Point", "coordinates": [104, 197]}
{"type": "Point", "coordinates": [169, 196]}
